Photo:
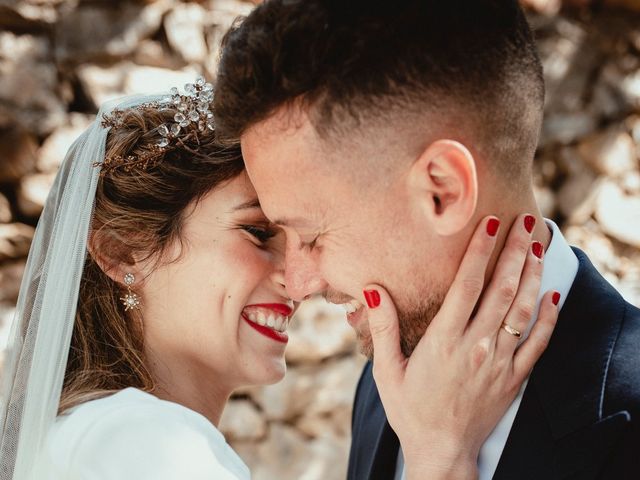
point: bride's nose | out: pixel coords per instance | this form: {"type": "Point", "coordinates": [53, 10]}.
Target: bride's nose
{"type": "Point", "coordinates": [301, 274]}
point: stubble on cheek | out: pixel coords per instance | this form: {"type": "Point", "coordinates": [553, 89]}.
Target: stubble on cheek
{"type": "Point", "coordinates": [413, 322]}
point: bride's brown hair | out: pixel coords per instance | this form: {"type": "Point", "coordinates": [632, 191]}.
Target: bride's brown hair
{"type": "Point", "coordinates": [137, 215]}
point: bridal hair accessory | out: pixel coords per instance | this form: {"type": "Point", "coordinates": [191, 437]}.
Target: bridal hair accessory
{"type": "Point", "coordinates": [192, 119]}
{"type": "Point", "coordinates": [130, 300]}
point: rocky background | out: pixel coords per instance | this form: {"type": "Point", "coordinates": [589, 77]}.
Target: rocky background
{"type": "Point", "coordinates": [60, 59]}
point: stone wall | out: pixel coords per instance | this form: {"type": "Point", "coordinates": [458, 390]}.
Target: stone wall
{"type": "Point", "coordinates": [59, 59]}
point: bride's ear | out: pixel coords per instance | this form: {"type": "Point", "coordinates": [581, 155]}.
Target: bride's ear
{"type": "Point", "coordinates": [444, 182]}
{"type": "Point", "coordinates": [111, 256]}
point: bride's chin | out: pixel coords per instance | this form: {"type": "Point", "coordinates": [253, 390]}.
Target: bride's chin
{"type": "Point", "coordinates": [269, 373]}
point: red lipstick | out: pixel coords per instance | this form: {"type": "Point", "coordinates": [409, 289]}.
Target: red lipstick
{"type": "Point", "coordinates": [268, 332]}
{"type": "Point", "coordinates": [280, 309]}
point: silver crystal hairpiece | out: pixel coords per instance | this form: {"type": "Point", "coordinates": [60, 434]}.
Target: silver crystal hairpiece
{"type": "Point", "coordinates": [192, 119]}
{"type": "Point", "coordinates": [194, 110]}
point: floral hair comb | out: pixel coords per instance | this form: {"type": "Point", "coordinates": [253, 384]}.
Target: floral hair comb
{"type": "Point", "coordinates": [192, 119]}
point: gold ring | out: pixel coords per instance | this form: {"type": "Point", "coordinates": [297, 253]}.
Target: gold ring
{"type": "Point", "coordinates": [512, 331]}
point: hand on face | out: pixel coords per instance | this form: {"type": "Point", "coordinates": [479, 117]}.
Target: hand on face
{"type": "Point", "coordinates": [446, 398]}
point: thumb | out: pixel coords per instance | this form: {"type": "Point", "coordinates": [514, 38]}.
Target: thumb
{"type": "Point", "coordinates": [388, 360]}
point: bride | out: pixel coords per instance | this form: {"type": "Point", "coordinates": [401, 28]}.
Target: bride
{"type": "Point", "coordinates": [154, 289]}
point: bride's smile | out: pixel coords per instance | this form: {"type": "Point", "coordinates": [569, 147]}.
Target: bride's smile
{"type": "Point", "coordinates": [216, 307]}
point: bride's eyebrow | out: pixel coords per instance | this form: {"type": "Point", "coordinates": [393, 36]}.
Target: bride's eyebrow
{"type": "Point", "coordinates": [253, 203]}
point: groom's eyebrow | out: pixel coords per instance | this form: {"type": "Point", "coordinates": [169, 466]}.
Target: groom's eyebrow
{"type": "Point", "coordinates": [291, 222]}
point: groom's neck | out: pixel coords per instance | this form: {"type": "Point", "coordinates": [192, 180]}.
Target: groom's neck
{"type": "Point", "coordinates": [541, 232]}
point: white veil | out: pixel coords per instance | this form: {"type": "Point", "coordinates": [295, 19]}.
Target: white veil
{"type": "Point", "coordinates": [36, 355]}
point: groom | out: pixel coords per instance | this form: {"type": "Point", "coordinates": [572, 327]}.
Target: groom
{"type": "Point", "coordinates": [377, 134]}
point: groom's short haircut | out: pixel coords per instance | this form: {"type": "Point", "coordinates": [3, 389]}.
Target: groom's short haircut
{"type": "Point", "coordinates": [460, 64]}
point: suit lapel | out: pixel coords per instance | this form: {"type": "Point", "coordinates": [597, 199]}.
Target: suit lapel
{"type": "Point", "coordinates": [560, 431]}
{"type": "Point", "coordinates": [377, 444]}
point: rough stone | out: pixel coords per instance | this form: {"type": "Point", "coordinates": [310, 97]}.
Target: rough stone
{"type": "Point", "coordinates": [311, 390]}
{"type": "Point", "coordinates": [184, 27]}
{"type": "Point", "coordinates": [15, 241]}
{"type": "Point", "coordinates": [565, 128]}
{"type": "Point", "coordinates": [288, 454]}
{"type": "Point", "coordinates": [241, 421]}
{"type": "Point", "coordinates": [18, 148]}
{"type": "Point", "coordinates": [546, 201]}
{"type": "Point", "coordinates": [10, 278]}
{"type": "Point", "coordinates": [99, 32]}
{"type": "Point", "coordinates": [576, 197]}
{"type": "Point", "coordinates": [612, 152]}
{"type": "Point", "coordinates": [28, 15]}
{"type": "Point", "coordinates": [220, 16]}
{"type": "Point", "coordinates": [631, 183]}
{"type": "Point", "coordinates": [589, 237]}
{"type": "Point", "coordinates": [102, 84]}
{"type": "Point", "coordinates": [153, 54]}
{"type": "Point", "coordinates": [32, 193]}
{"type": "Point", "coordinates": [5, 209]}
{"type": "Point", "coordinates": [318, 331]}
{"type": "Point", "coordinates": [30, 91]}
{"type": "Point", "coordinates": [619, 214]}
{"type": "Point", "coordinates": [55, 147]}
{"type": "Point", "coordinates": [629, 285]}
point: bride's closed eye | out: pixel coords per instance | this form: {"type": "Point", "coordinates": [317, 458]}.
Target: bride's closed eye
{"type": "Point", "coordinates": [262, 234]}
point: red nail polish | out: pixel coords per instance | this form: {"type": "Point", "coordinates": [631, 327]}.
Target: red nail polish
{"type": "Point", "coordinates": [492, 226]}
{"type": "Point", "coordinates": [537, 249]}
{"type": "Point", "coordinates": [529, 223]}
{"type": "Point", "coordinates": [556, 298]}
{"type": "Point", "coordinates": [372, 297]}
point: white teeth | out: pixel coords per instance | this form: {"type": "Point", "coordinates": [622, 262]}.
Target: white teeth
{"type": "Point", "coordinates": [352, 306]}
{"type": "Point", "coordinates": [268, 319]}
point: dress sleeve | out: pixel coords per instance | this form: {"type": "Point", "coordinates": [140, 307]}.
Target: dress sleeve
{"type": "Point", "coordinates": [145, 443]}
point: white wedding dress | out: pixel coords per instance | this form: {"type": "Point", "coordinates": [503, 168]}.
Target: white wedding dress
{"type": "Point", "coordinates": [134, 435]}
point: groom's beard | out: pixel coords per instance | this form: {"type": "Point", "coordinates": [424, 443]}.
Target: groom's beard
{"type": "Point", "coordinates": [413, 321]}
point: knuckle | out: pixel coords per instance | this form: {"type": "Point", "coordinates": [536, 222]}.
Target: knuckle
{"type": "Point", "coordinates": [508, 288]}
{"type": "Point", "coordinates": [512, 387]}
{"type": "Point", "coordinates": [479, 353]}
{"type": "Point", "coordinates": [521, 245]}
{"type": "Point", "coordinates": [471, 287]}
{"type": "Point", "coordinates": [540, 343]}
{"type": "Point", "coordinates": [525, 311]}
{"type": "Point", "coordinates": [379, 329]}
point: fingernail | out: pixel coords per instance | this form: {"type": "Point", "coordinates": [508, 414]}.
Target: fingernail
{"type": "Point", "coordinates": [492, 226]}
{"type": "Point", "coordinates": [372, 297]}
{"type": "Point", "coordinates": [556, 298]}
{"type": "Point", "coordinates": [537, 249]}
{"type": "Point", "coordinates": [529, 223]}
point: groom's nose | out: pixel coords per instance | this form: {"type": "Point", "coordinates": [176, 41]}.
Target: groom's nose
{"type": "Point", "coordinates": [302, 275]}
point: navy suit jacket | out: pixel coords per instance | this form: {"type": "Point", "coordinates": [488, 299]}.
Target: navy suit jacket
{"type": "Point", "coordinates": [580, 414]}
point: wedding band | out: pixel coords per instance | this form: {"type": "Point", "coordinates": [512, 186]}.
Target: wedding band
{"type": "Point", "coordinates": [512, 331]}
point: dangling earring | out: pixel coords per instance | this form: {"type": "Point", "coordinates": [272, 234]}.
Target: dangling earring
{"type": "Point", "coordinates": [130, 300]}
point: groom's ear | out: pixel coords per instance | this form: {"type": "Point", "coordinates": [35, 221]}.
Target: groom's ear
{"type": "Point", "coordinates": [444, 182]}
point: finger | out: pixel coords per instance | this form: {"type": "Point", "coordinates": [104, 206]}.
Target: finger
{"type": "Point", "coordinates": [524, 306]}
{"type": "Point", "coordinates": [503, 287]}
{"type": "Point", "coordinates": [461, 299]}
{"type": "Point", "coordinates": [533, 347]}
{"type": "Point", "coordinates": [388, 360]}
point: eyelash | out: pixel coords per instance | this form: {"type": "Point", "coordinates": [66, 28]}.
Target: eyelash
{"type": "Point", "coordinates": [263, 235]}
